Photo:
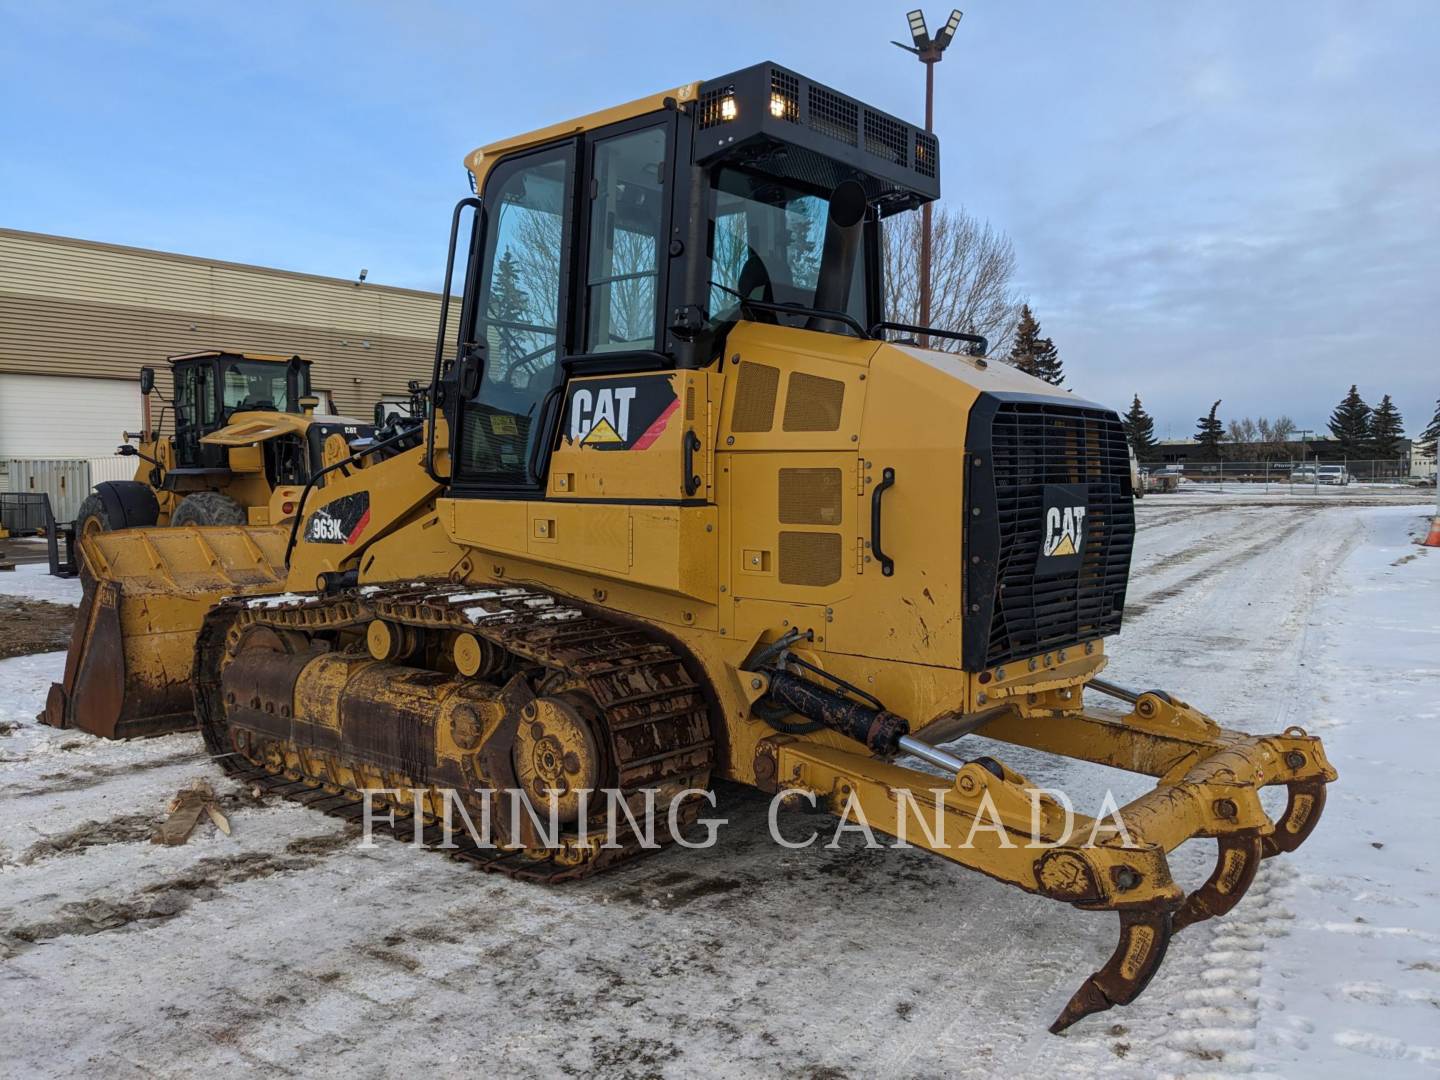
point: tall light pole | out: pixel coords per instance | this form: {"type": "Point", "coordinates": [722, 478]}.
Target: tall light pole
{"type": "Point", "coordinates": [929, 51]}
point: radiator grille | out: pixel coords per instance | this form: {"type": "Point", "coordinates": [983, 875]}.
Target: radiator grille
{"type": "Point", "coordinates": [813, 403]}
{"type": "Point", "coordinates": [809, 558]}
{"type": "Point", "coordinates": [1013, 611]}
{"type": "Point", "coordinates": [755, 398]}
{"type": "Point", "coordinates": [810, 496]}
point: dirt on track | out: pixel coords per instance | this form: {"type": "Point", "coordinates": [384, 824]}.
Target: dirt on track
{"type": "Point", "coordinates": [33, 626]}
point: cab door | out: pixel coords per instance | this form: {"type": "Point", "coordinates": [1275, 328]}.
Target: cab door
{"type": "Point", "coordinates": [519, 326]}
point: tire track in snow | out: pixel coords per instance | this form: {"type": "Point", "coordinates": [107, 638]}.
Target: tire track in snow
{"type": "Point", "coordinates": [1227, 562]}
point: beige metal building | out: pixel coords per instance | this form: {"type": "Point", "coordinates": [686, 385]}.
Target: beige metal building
{"type": "Point", "coordinates": [78, 319]}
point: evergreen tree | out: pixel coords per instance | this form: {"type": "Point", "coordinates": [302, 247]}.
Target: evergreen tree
{"type": "Point", "coordinates": [1387, 429]}
{"type": "Point", "coordinates": [1208, 433]}
{"type": "Point", "coordinates": [1140, 430]}
{"type": "Point", "coordinates": [1431, 435]}
{"type": "Point", "coordinates": [1350, 424]}
{"type": "Point", "coordinates": [1033, 354]}
{"type": "Point", "coordinates": [508, 301]}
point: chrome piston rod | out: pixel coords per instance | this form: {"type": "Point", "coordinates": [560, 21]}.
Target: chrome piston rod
{"type": "Point", "coordinates": [925, 752]}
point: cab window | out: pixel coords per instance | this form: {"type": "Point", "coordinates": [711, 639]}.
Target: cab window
{"type": "Point", "coordinates": [626, 220]}
{"type": "Point", "coordinates": [768, 236]}
{"type": "Point", "coordinates": [517, 316]}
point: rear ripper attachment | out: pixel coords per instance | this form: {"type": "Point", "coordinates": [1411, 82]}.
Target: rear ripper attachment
{"type": "Point", "coordinates": [417, 692]}
{"type": "Point", "coordinates": [994, 820]}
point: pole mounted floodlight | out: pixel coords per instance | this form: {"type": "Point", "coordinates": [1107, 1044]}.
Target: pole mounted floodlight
{"type": "Point", "coordinates": [929, 53]}
{"type": "Point", "coordinates": [945, 36]}
{"type": "Point", "coordinates": [917, 28]}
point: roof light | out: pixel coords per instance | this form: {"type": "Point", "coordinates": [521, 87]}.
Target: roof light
{"type": "Point", "coordinates": [777, 106]}
{"type": "Point", "coordinates": [728, 109]}
{"type": "Point", "coordinates": [917, 27]}
{"type": "Point", "coordinates": [942, 39]}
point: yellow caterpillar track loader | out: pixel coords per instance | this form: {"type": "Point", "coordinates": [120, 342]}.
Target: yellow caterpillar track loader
{"type": "Point", "coordinates": [686, 506]}
{"type": "Point", "coordinates": [246, 439]}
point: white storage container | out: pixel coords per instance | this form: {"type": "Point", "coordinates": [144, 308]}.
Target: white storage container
{"type": "Point", "coordinates": [65, 480]}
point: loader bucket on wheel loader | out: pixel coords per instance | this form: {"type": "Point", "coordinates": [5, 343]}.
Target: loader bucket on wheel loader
{"type": "Point", "coordinates": [129, 668]}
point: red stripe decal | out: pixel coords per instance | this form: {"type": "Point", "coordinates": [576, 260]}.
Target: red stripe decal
{"type": "Point", "coordinates": [655, 430]}
{"type": "Point", "coordinates": [359, 527]}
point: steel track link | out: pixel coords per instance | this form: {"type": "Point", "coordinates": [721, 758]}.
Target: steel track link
{"type": "Point", "coordinates": [656, 714]}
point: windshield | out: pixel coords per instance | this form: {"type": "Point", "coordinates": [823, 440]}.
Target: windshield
{"type": "Point", "coordinates": [247, 385]}
{"type": "Point", "coordinates": [768, 236]}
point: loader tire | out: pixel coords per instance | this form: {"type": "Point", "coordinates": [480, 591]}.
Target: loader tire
{"type": "Point", "coordinates": [92, 517]}
{"type": "Point", "coordinates": [208, 508]}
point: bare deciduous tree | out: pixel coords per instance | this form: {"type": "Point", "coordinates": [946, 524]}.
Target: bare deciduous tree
{"type": "Point", "coordinates": [972, 267]}
{"type": "Point", "coordinates": [1261, 439]}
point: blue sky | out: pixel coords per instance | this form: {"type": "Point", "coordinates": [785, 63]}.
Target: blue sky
{"type": "Point", "coordinates": [1210, 200]}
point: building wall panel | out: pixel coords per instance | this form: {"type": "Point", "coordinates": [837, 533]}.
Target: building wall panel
{"type": "Point", "coordinates": [77, 308]}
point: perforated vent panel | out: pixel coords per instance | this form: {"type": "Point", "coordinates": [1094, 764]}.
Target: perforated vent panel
{"type": "Point", "coordinates": [755, 398]}
{"type": "Point", "coordinates": [809, 558]}
{"type": "Point", "coordinates": [709, 111]}
{"type": "Point", "coordinates": [784, 95]}
{"type": "Point", "coordinates": [690, 402]}
{"type": "Point", "coordinates": [927, 153]}
{"type": "Point", "coordinates": [813, 403]}
{"type": "Point", "coordinates": [810, 496]}
{"type": "Point", "coordinates": [832, 115]}
{"type": "Point", "coordinates": [885, 138]}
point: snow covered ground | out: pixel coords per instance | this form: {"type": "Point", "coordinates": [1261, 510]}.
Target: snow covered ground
{"type": "Point", "coordinates": [287, 948]}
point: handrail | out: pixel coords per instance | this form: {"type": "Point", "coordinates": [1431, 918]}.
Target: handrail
{"type": "Point", "coordinates": [476, 204]}
{"type": "Point", "coordinates": [801, 309]}
{"type": "Point", "coordinates": [929, 331]}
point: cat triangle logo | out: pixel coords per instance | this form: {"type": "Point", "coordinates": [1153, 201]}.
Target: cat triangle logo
{"type": "Point", "coordinates": [602, 432]}
{"type": "Point", "coordinates": [1065, 547]}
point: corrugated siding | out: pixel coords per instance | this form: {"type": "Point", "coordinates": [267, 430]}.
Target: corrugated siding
{"type": "Point", "coordinates": [78, 308]}
{"type": "Point", "coordinates": [65, 480]}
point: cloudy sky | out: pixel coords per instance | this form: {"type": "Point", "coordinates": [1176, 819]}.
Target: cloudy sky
{"type": "Point", "coordinates": [1211, 200]}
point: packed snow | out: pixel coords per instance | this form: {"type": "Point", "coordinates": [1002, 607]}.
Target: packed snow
{"type": "Point", "coordinates": [287, 947]}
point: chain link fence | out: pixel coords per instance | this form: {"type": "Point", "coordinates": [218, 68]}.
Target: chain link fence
{"type": "Point", "coordinates": [1284, 474]}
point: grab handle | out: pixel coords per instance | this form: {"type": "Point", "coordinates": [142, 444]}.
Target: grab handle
{"type": "Point", "coordinates": [887, 480]}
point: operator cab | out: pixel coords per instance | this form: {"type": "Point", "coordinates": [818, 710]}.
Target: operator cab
{"type": "Point", "coordinates": [633, 240]}
{"type": "Point", "coordinates": [211, 387]}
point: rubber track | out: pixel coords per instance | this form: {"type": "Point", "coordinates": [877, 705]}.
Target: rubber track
{"type": "Point", "coordinates": [640, 685]}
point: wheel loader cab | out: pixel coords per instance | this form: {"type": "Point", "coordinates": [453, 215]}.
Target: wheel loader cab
{"type": "Point", "coordinates": [212, 387]}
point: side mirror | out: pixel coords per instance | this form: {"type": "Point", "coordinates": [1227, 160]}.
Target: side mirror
{"type": "Point", "coordinates": [379, 415]}
{"type": "Point", "coordinates": [147, 380]}
{"type": "Point", "coordinates": [472, 370]}
{"type": "Point", "coordinates": [127, 450]}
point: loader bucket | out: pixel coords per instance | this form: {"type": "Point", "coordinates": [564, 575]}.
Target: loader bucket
{"type": "Point", "coordinates": [129, 668]}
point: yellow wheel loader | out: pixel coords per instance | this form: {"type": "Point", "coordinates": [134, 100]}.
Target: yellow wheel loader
{"type": "Point", "coordinates": [246, 439]}
{"type": "Point", "coordinates": [686, 506]}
